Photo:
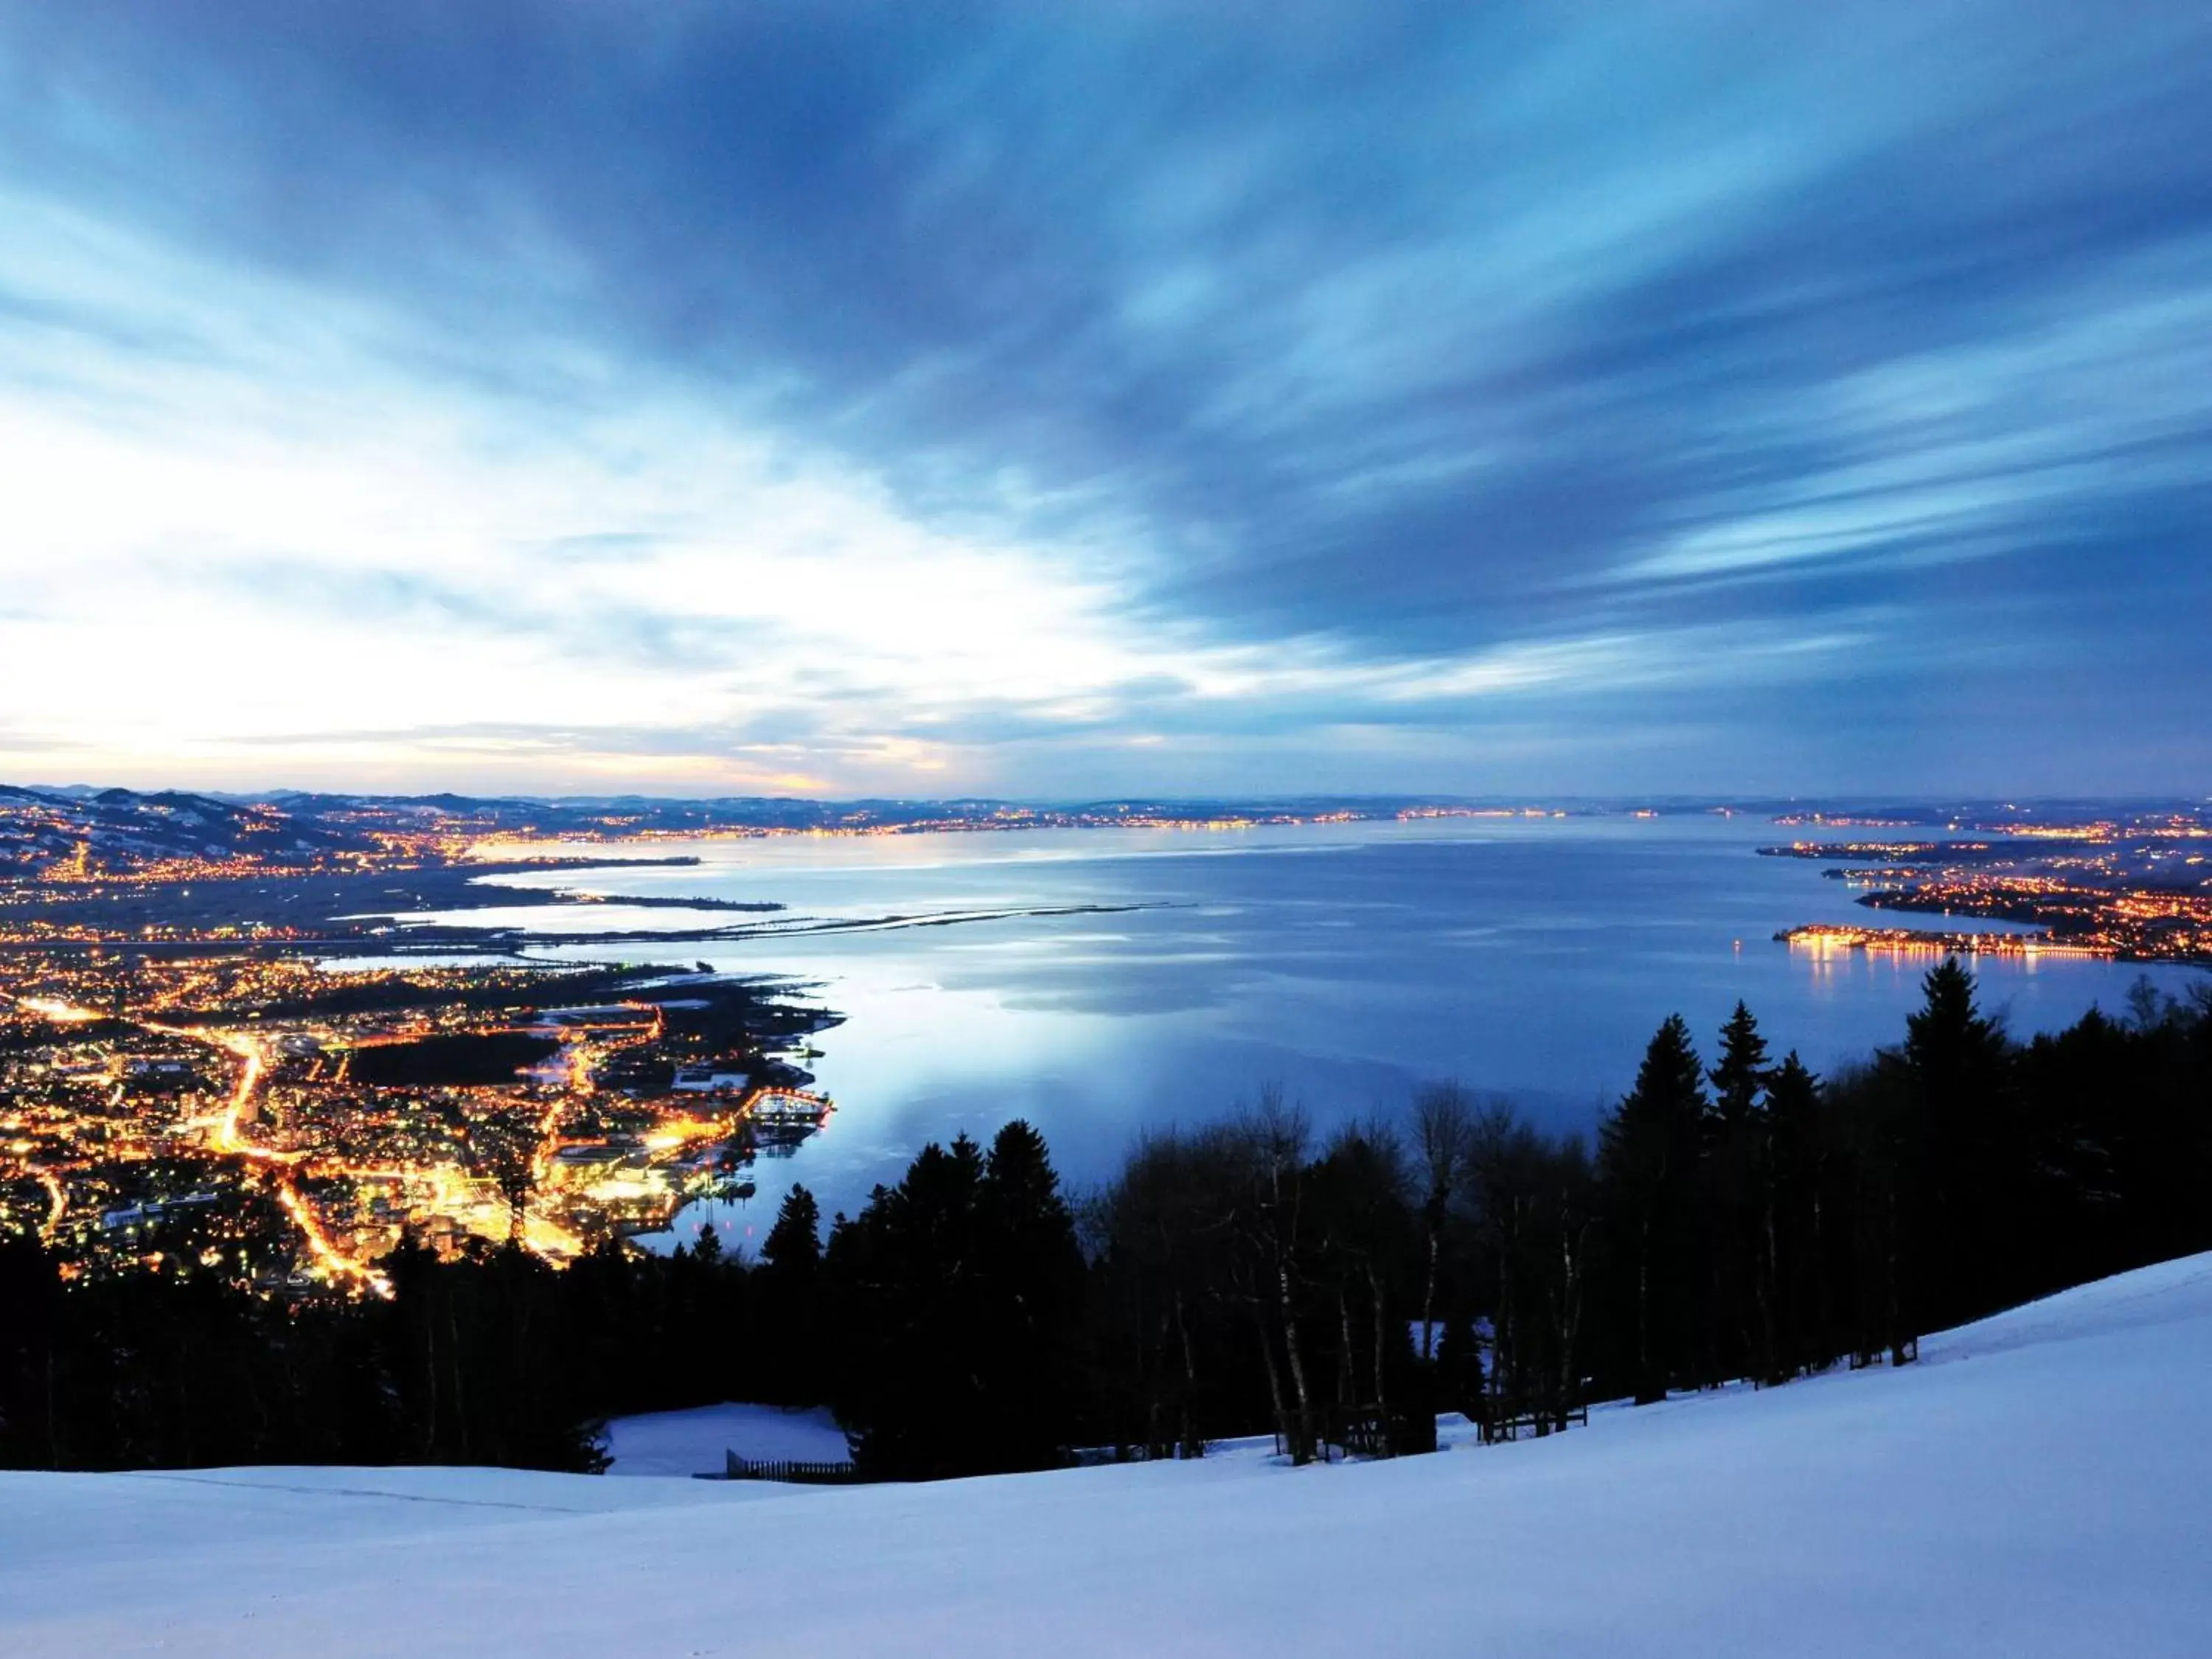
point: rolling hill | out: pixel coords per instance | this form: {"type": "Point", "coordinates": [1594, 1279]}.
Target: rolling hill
{"type": "Point", "coordinates": [2040, 1483]}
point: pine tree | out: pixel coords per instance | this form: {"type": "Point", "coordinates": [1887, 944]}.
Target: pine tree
{"type": "Point", "coordinates": [1948, 1032]}
{"type": "Point", "coordinates": [1648, 1153]}
{"type": "Point", "coordinates": [791, 1365]}
{"type": "Point", "coordinates": [1965, 1172]}
{"type": "Point", "coordinates": [1794, 1201]}
{"type": "Point", "coordinates": [957, 1294]}
{"type": "Point", "coordinates": [1738, 1309]}
{"type": "Point", "coordinates": [906, 1305]}
{"type": "Point", "coordinates": [1740, 1076]}
{"type": "Point", "coordinates": [793, 1244]}
{"type": "Point", "coordinates": [1032, 1280]}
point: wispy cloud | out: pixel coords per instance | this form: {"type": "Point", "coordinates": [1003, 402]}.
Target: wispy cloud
{"type": "Point", "coordinates": [984, 399]}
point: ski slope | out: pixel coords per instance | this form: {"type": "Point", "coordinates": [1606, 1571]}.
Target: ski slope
{"type": "Point", "coordinates": [2041, 1483]}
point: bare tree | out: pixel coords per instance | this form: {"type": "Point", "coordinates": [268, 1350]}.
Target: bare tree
{"type": "Point", "coordinates": [1274, 1139]}
{"type": "Point", "coordinates": [1360, 1199]}
{"type": "Point", "coordinates": [1444, 1122]}
{"type": "Point", "coordinates": [1162, 1219]}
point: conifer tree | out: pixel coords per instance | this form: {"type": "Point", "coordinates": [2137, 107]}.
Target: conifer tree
{"type": "Point", "coordinates": [792, 1362]}
{"type": "Point", "coordinates": [1964, 1169]}
{"type": "Point", "coordinates": [793, 1244]}
{"type": "Point", "coordinates": [956, 1294]}
{"type": "Point", "coordinates": [1793, 1206]}
{"type": "Point", "coordinates": [904, 1272]}
{"type": "Point", "coordinates": [1033, 1280]}
{"type": "Point", "coordinates": [1740, 1077]}
{"type": "Point", "coordinates": [1648, 1153]}
{"type": "Point", "coordinates": [1739, 1312]}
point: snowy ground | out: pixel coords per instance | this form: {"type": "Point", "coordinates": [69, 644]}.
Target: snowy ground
{"type": "Point", "coordinates": [693, 1442]}
{"type": "Point", "coordinates": [2041, 1485]}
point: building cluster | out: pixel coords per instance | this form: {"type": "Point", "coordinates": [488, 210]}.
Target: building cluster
{"type": "Point", "coordinates": [287, 1125]}
{"type": "Point", "coordinates": [2136, 889]}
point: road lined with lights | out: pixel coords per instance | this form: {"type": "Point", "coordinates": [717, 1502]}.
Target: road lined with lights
{"type": "Point", "coordinates": [558, 1158]}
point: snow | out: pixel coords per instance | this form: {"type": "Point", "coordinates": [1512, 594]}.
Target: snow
{"type": "Point", "coordinates": [693, 1442]}
{"type": "Point", "coordinates": [2041, 1483]}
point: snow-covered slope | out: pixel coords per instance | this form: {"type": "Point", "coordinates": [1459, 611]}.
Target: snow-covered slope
{"type": "Point", "coordinates": [693, 1442]}
{"type": "Point", "coordinates": [120, 830]}
{"type": "Point", "coordinates": [2041, 1485]}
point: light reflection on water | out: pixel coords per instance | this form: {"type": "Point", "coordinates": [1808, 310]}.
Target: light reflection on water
{"type": "Point", "coordinates": [1346, 963]}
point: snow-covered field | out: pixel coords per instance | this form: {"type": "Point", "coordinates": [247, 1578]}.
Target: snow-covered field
{"type": "Point", "coordinates": [2040, 1485]}
{"type": "Point", "coordinates": [693, 1442]}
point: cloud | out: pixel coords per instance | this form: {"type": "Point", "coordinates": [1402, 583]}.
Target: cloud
{"type": "Point", "coordinates": [2094, 396]}
{"type": "Point", "coordinates": [979, 391]}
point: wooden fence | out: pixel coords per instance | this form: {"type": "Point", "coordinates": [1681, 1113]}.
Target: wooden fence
{"type": "Point", "coordinates": [1511, 1419]}
{"type": "Point", "coordinates": [735, 1467]}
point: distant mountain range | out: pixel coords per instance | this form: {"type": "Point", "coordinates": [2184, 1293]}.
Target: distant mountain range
{"type": "Point", "coordinates": [119, 830]}
{"type": "Point", "coordinates": [115, 831]}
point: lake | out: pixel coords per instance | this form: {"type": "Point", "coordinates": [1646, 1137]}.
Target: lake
{"type": "Point", "coordinates": [1345, 962]}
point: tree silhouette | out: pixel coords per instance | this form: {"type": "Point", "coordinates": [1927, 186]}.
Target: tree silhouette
{"type": "Point", "coordinates": [1648, 1157]}
{"type": "Point", "coordinates": [1961, 1170]}
{"type": "Point", "coordinates": [1739, 1308]}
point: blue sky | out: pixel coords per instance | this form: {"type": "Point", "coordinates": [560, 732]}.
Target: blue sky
{"type": "Point", "coordinates": [1085, 399]}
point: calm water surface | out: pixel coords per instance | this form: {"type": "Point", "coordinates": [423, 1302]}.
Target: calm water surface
{"type": "Point", "coordinates": [1345, 962]}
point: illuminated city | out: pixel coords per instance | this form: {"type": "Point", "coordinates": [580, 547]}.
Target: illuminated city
{"type": "Point", "coordinates": [2135, 888]}
{"type": "Point", "coordinates": [285, 1123]}
{"type": "Point", "coordinates": [184, 1082]}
